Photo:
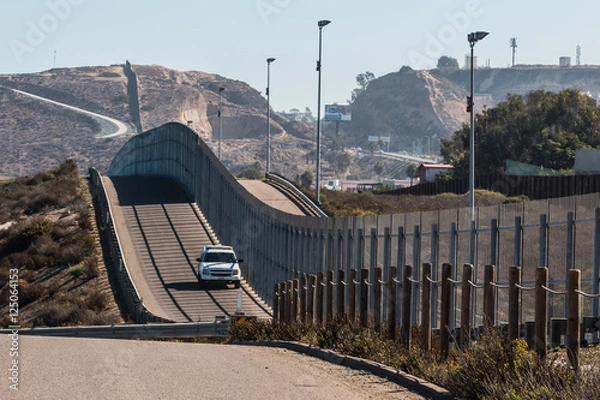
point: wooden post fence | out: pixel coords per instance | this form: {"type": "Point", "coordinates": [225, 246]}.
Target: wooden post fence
{"type": "Point", "coordinates": [573, 317]}
{"type": "Point", "coordinates": [514, 281]}
{"type": "Point", "coordinates": [465, 306]}
{"type": "Point", "coordinates": [540, 340]}
{"type": "Point", "coordinates": [364, 297]}
{"type": "Point", "coordinates": [426, 308]}
{"type": "Point", "coordinates": [445, 310]}
{"type": "Point", "coordinates": [340, 290]}
{"type": "Point", "coordinates": [406, 306]}
{"type": "Point", "coordinates": [377, 295]}
{"type": "Point", "coordinates": [391, 303]}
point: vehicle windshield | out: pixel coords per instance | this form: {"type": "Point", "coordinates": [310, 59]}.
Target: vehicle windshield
{"type": "Point", "coordinates": [219, 257]}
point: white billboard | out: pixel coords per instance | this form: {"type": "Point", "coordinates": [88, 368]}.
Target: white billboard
{"type": "Point", "coordinates": [337, 112]}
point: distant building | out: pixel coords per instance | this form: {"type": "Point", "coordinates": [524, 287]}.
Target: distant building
{"type": "Point", "coordinates": [564, 61]}
{"type": "Point", "coordinates": [587, 161]}
{"type": "Point", "coordinates": [428, 172]}
{"type": "Point", "coordinates": [468, 62]}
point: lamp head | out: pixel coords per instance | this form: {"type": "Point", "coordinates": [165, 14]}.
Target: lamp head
{"type": "Point", "coordinates": [270, 60]}
{"type": "Point", "coordinates": [323, 23]}
{"type": "Point", "coordinates": [474, 37]}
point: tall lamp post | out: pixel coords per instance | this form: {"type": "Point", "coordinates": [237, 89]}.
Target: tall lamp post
{"type": "Point", "coordinates": [473, 38]}
{"type": "Point", "coordinates": [321, 24]}
{"type": "Point", "coordinates": [219, 113]}
{"type": "Point", "coordinates": [269, 61]}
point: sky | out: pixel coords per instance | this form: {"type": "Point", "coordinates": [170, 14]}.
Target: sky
{"type": "Point", "coordinates": [233, 38]}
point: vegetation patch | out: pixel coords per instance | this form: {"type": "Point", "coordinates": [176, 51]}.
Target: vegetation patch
{"type": "Point", "coordinates": [492, 368]}
{"type": "Point", "coordinates": [50, 240]}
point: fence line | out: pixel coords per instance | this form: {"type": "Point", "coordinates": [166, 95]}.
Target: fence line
{"type": "Point", "coordinates": [558, 233]}
{"type": "Point", "coordinates": [317, 307]}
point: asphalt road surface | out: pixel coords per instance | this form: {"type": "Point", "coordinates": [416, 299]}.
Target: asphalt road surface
{"type": "Point", "coordinates": [161, 236]}
{"type": "Point", "coordinates": [71, 368]}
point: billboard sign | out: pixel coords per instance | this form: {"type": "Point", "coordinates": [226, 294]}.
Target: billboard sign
{"type": "Point", "coordinates": [337, 112]}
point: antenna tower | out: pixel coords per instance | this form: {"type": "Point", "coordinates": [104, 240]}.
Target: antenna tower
{"type": "Point", "coordinates": [513, 45]}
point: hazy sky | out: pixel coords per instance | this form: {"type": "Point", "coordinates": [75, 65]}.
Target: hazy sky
{"type": "Point", "coordinates": [234, 37]}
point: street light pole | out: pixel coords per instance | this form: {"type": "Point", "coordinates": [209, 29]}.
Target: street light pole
{"type": "Point", "coordinates": [473, 38]}
{"type": "Point", "coordinates": [269, 61]}
{"type": "Point", "coordinates": [321, 24]}
{"type": "Point", "coordinates": [219, 113]}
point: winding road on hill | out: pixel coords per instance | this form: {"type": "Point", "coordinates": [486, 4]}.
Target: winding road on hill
{"type": "Point", "coordinates": [109, 127]}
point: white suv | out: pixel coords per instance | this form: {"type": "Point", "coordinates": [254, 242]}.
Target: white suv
{"type": "Point", "coordinates": [219, 264]}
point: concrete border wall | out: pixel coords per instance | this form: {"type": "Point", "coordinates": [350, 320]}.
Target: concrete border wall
{"type": "Point", "coordinates": [279, 246]}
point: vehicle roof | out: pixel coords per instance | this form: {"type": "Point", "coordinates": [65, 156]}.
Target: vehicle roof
{"type": "Point", "coordinates": [219, 248]}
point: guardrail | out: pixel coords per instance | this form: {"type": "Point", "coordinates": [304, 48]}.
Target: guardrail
{"type": "Point", "coordinates": [127, 293]}
{"type": "Point", "coordinates": [219, 328]}
{"type": "Point", "coordinates": [297, 192]}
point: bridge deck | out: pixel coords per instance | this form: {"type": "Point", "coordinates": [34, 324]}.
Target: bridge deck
{"type": "Point", "coordinates": [271, 196]}
{"type": "Point", "coordinates": [161, 235]}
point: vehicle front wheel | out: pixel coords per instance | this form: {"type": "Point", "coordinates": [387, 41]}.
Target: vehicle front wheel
{"type": "Point", "coordinates": [236, 284]}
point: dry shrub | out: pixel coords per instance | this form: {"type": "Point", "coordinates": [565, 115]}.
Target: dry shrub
{"type": "Point", "coordinates": [92, 269]}
{"type": "Point", "coordinates": [31, 292]}
{"type": "Point", "coordinates": [96, 301]}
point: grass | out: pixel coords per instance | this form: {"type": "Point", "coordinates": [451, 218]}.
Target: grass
{"type": "Point", "coordinates": [52, 244]}
{"type": "Point", "coordinates": [492, 368]}
{"type": "Point", "coordinates": [338, 203]}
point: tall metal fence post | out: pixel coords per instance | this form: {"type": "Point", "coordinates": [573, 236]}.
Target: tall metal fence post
{"type": "Point", "coordinates": [465, 306]}
{"type": "Point", "coordinates": [541, 311]}
{"type": "Point", "coordinates": [573, 318]}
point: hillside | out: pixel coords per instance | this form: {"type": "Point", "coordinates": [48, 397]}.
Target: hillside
{"type": "Point", "coordinates": [414, 108]}
{"type": "Point", "coordinates": [38, 135]}
{"type": "Point", "coordinates": [417, 108]}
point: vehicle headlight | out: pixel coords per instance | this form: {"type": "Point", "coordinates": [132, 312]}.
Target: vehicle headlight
{"type": "Point", "coordinates": [236, 271]}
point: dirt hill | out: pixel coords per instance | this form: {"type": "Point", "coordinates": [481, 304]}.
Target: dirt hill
{"type": "Point", "coordinates": [417, 108]}
{"type": "Point", "coordinates": [414, 108]}
{"type": "Point", "coordinates": [39, 135]}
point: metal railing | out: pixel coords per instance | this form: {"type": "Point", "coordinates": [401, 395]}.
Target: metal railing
{"type": "Point", "coordinates": [218, 328]}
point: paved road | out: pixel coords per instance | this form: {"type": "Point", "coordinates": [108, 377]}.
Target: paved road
{"type": "Point", "coordinates": [162, 235]}
{"type": "Point", "coordinates": [110, 127]}
{"type": "Point", "coordinates": [271, 196]}
{"type": "Point", "coordinates": [71, 368]}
